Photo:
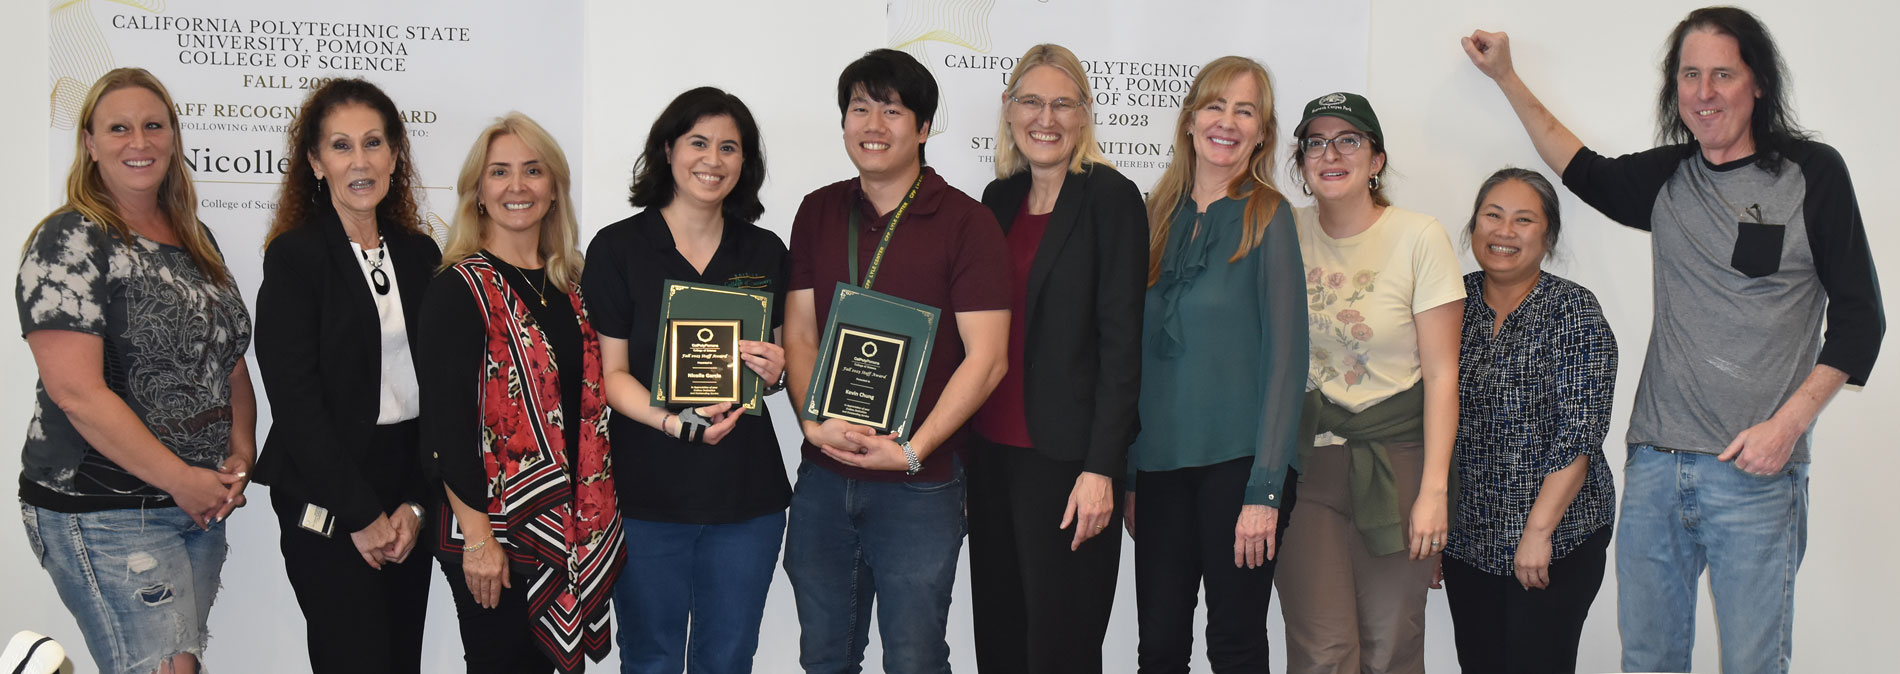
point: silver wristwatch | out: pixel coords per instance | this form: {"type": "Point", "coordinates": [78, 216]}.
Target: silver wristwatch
{"type": "Point", "coordinates": [910, 457]}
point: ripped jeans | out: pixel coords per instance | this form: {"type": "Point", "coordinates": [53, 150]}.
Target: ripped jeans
{"type": "Point", "coordinates": [139, 582]}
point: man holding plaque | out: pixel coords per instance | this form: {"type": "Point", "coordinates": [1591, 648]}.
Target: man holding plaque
{"type": "Point", "coordinates": [877, 516]}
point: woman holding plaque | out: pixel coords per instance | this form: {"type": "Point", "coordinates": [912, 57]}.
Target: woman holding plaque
{"type": "Point", "coordinates": [1055, 437]}
{"type": "Point", "coordinates": [702, 490]}
{"type": "Point", "coordinates": [530, 537]}
{"type": "Point", "coordinates": [1223, 368]}
{"type": "Point", "coordinates": [144, 422]}
{"type": "Point", "coordinates": [1384, 301]}
{"type": "Point", "coordinates": [346, 263]}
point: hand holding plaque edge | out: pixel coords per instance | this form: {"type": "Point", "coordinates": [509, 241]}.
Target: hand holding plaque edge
{"type": "Point", "coordinates": [764, 358]}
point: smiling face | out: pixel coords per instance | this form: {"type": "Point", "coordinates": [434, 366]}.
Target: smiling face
{"type": "Point", "coordinates": [1227, 130]}
{"type": "Point", "coordinates": [516, 189]}
{"type": "Point", "coordinates": [354, 156]}
{"type": "Point", "coordinates": [706, 161]}
{"type": "Point", "coordinates": [1335, 176]}
{"type": "Point", "coordinates": [1508, 232]}
{"type": "Point", "coordinates": [1046, 137]}
{"type": "Point", "coordinates": [882, 138]}
{"type": "Point", "coordinates": [132, 141]}
{"type": "Point", "coordinates": [1715, 95]}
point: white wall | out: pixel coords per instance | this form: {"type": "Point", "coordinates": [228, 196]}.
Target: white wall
{"type": "Point", "coordinates": [1594, 65]}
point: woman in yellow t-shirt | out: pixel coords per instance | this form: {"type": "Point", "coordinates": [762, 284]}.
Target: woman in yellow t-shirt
{"type": "Point", "coordinates": [1384, 302]}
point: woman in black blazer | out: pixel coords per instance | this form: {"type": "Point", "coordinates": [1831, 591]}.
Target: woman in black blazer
{"type": "Point", "coordinates": [1057, 428]}
{"type": "Point", "coordinates": [346, 263]}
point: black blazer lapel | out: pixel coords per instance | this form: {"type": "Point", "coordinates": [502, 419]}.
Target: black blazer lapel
{"type": "Point", "coordinates": [1061, 223]}
{"type": "Point", "coordinates": [1009, 197]}
{"type": "Point", "coordinates": [416, 257]}
{"type": "Point", "coordinates": [354, 301]}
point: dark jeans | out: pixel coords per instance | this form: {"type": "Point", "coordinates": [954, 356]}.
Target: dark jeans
{"type": "Point", "coordinates": [1036, 606]}
{"type": "Point", "coordinates": [1501, 627]}
{"type": "Point", "coordinates": [496, 640]}
{"type": "Point", "coordinates": [852, 545]}
{"type": "Point", "coordinates": [1184, 536]}
{"type": "Point", "coordinates": [711, 577]}
{"type": "Point", "coordinates": [359, 619]}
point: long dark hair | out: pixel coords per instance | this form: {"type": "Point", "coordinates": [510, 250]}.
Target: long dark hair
{"type": "Point", "coordinates": [653, 174]}
{"type": "Point", "coordinates": [1772, 124]}
{"type": "Point", "coordinates": [300, 197]}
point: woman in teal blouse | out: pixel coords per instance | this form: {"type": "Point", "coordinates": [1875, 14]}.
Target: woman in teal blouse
{"type": "Point", "coordinates": [1223, 373]}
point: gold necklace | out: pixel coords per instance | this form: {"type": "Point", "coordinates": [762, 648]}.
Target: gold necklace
{"type": "Point", "coordinates": [539, 293]}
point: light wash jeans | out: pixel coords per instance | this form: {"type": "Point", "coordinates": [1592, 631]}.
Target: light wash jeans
{"type": "Point", "coordinates": [1683, 512]}
{"type": "Point", "coordinates": [852, 545]}
{"type": "Point", "coordinates": [139, 582]}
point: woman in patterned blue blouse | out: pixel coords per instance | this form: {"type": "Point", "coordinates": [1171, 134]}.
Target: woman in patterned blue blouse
{"type": "Point", "coordinates": [1536, 371]}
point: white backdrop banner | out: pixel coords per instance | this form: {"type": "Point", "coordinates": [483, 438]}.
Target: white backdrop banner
{"type": "Point", "coordinates": [1141, 56]}
{"type": "Point", "coordinates": [238, 71]}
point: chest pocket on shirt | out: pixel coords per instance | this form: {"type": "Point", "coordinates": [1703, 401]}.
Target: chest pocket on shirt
{"type": "Point", "coordinates": [1757, 248]}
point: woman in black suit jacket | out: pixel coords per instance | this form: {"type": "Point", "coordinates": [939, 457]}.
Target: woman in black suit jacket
{"type": "Point", "coordinates": [346, 264]}
{"type": "Point", "coordinates": [1057, 428]}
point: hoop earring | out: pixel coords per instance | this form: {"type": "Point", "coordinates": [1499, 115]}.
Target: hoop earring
{"type": "Point", "coordinates": [1304, 189]}
{"type": "Point", "coordinates": [1373, 183]}
{"type": "Point", "coordinates": [481, 208]}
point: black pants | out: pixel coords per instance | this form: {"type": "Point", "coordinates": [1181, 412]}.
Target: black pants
{"type": "Point", "coordinates": [1184, 536]}
{"type": "Point", "coordinates": [358, 619]}
{"type": "Point", "coordinates": [1501, 627]}
{"type": "Point", "coordinates": [1036, 606]}
{"type": "Point", "coordinates": [496, 640]}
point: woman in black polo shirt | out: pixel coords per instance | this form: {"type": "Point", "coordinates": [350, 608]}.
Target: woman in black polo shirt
{"type": "Point", "coordinates": [704, 517]}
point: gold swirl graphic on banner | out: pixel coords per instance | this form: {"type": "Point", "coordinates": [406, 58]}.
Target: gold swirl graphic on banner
{"type": "Point", "coordinates": [963, 23]}
{"type": "Point", "coordinates": [438, 228]}
{"type": "Point", "coordinates": [79, 54]}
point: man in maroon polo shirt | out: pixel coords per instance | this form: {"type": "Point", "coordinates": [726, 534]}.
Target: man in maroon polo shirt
{"type": "Point", "coordinates": [874, 521]}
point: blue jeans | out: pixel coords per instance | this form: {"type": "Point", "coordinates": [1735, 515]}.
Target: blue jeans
{"type": "Point", "coordinates": [1683, 512]}
{"type": "Point", "coordinates": [139, 582]}
{"type": "Point", "coordinates": [711, 576]}
{"type": "Point", "coordinates": [854, 544]}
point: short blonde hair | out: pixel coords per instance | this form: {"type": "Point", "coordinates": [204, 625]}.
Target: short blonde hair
{"type": "Point", "coordinates": [560, 232]}
{"type": "Point", "coordinates": [1009, 158]}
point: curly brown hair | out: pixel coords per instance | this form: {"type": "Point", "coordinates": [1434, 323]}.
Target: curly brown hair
{"type": "Point", "coordinates": [300, 194]}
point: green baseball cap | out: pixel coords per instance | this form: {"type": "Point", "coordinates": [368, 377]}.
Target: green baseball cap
{"type": "Point", "coordinates": [1353, 108]}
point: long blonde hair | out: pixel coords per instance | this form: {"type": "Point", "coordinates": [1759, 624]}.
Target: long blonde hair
{"type": "Point", "coordinates": [1009, 158]}
{"type": "Point", "coordinates": [1256, 182]}
{"type": "Point", "coordinates": [86, 192]}
{"type": "Point", "coordinates": [560, 233]}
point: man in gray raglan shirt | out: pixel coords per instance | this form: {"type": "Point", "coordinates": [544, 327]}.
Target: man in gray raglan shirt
{"type": "Point", "coordinates": [1756, 237]}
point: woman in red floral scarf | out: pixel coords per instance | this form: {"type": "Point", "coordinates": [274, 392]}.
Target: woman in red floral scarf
{"type": "Point", "coordinates": [535, 542]}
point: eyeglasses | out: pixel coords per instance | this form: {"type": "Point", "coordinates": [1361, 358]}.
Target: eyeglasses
{"type": "Point", "coordinates": [1346, 144]}
{"type": "Point", "coordinates": [1033, 105]}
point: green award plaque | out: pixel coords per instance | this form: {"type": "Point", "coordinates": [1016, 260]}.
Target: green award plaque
{"type": "Point", "coordinates": [696, 357]}
{"type": "Point", "coordinates": [871, 359]}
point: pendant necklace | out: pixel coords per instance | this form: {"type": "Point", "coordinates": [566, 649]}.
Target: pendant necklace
{"type": "Point", "coordinates": [377, 278]}
{"type": "Point", "coordinates": [539, 293]}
